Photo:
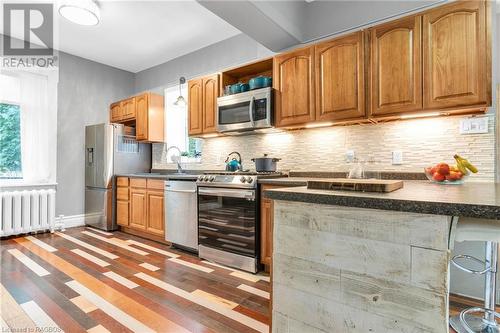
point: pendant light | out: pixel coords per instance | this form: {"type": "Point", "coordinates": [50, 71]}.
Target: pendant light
{"type": "Point", "coordinates": [82, 12]}
{"type": "Point", "coordinates": [181, 101]}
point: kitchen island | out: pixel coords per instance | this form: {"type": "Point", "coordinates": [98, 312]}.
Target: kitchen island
{"type": "Point", "coordinates": [369, 262]}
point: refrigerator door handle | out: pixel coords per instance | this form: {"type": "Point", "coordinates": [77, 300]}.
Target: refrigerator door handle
{"type": "Point", "coordinates": [90, 155]}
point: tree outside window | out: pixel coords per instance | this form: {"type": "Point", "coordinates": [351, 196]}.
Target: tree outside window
{"type": "Point", "coordinates": [10, 141]}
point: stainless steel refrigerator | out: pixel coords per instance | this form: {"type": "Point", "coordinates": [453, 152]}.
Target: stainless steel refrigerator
{"type": "Point", "coordinates": [108, 152]}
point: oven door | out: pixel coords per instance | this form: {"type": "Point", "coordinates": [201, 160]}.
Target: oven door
{"type": "Point", "coordinates": [227, 220]}
{"type": "Point", "coordinates": [245, 111]}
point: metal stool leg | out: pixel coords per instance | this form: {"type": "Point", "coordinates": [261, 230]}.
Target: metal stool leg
{"type": "Point", "coordinates": [468, 323]}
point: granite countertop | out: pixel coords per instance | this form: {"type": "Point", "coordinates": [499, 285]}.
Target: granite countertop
{"type": "Point", "coordinates": [167, 176]}
{"type": "Point", "coordinates": [287, 181]}
{"type": "Point", "coordinates": [481, 200]}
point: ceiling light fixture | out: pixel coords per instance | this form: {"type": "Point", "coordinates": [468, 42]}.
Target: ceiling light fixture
{"type": "Point", "coordinates": [181, 101]}
{"type": "Point", "coordinates": [82, 12]}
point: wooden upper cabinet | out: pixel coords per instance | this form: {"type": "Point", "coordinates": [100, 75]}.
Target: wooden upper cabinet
{"type": "Point", "coordinates": [210, 92]}
{"type": "Point", "coordinates": [141, 124]}
{"type": "Point", "coordinates": [396, 67]}
{"type": "Point", "coordinates": [340, 83]}
{"type": "Point", "coordinates": [195, 106]}
{"type": "Point", "coordinates": [128, 108]}
{"type": "Point", "coordinates": [293, 81]}
{"type": "Point", "coordinates": [455, 55]}
{"type": "Point", "coordinates": [115, 112]}
{"type": "Point", "coordinates": [149, 117]}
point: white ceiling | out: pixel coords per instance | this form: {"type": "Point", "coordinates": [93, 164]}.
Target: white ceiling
{"type": "Point", "coordinates": [136, 35]}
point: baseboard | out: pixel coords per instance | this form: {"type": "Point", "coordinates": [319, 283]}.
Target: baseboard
{"type": "Point", "coordinates": [73, 221]}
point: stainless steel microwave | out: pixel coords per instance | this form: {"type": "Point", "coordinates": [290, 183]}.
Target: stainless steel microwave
{"type": "Point", "coordinates": [245, 111]}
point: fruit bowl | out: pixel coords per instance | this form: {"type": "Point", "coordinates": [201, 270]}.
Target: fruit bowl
{"type": "Point", "coordinates": [444, 174]}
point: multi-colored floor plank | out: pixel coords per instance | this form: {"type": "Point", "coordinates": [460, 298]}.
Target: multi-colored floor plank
{"type": "Point", "coordinates": [84, 280]}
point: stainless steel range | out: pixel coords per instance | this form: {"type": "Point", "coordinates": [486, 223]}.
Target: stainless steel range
{"type": "Point", "coordinates": [228, 218]}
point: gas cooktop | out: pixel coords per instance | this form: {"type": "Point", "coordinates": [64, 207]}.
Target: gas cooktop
{"type": "Point", "coordinates": [237, 179]}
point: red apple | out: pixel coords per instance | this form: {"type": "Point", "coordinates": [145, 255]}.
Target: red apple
{"type": "Point", "coordinates": [443, 168]}
{"type": "Point", "coordinates": [438, 177]}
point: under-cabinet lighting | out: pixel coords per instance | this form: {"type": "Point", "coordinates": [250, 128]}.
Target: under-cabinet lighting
{"type": "Point", "coordinates": [420, 115]}
{"type": "Point", "coordinates": [316, 125]}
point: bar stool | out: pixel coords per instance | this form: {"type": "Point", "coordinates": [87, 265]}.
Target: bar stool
{"type": "Point", "coordinates": [471, 229]}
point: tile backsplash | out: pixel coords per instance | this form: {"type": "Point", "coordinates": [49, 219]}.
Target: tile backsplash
{"type": "Point", "coordinates": [423, 142]}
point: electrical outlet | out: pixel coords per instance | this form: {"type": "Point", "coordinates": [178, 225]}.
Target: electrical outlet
{"type": "Point", "coordinates": [349, 156]}
{"type": "Point", "coordinates": [397, 157]}
{"type": "Point", "coordinates": [474, 125]}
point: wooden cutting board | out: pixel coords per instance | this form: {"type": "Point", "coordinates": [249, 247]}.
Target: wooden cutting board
{"type": "Point", "coordinates": [361, 185]}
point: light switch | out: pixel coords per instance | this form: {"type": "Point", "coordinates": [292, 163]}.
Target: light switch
{"type": "Point", "coordinates": [474, 125]}
{"type": "Point", "coordinates": [397, 157]}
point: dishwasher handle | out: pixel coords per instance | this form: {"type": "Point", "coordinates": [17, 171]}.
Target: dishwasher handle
{"type": "Point", "coordinates": [180, 191]}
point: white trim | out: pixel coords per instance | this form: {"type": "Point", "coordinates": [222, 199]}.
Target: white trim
{"type": "Point", "coordinates": [73, 221]}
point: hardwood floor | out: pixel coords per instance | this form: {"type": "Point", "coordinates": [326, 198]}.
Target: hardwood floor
{"type": "Point", "coordinates": [84, 280]}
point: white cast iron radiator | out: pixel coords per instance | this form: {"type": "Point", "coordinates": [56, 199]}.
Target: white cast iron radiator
{"type": "Point", "coordinates": [27, 211]}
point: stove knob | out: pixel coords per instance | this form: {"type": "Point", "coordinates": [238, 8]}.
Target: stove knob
{"type": "Point", "coordinates": [200, 178]}
{"type": "Point", "coordinates": [212, 178]}
{"type": "Point", "coordinates": [206, 178]}
{"type": "Point", "coordinates": [243, 179]}
{"type": "Point", "coordinates": [249, 180]}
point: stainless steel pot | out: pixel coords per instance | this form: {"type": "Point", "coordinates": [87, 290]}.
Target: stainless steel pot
{"type": "Point", "coordinates": [265, 164]}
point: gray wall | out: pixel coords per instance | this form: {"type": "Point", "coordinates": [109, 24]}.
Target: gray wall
{"type": "Point", "coordinates": [85, 90]}
{"type": "Point", "coordinates": [330, 17]}
{"type": "Point", "coordinates": [227, 53]}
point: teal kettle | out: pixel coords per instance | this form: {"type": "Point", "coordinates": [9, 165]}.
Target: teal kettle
{"type": "Point", "coordinates": [232, 163]}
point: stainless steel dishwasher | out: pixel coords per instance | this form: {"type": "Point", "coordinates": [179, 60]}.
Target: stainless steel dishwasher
{"type": "Point", "coordinates": [181, 214]}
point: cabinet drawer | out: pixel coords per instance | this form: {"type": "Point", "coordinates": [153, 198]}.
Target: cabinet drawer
{"type": "Point", "coordinates": [156, 184]}
{"type": "Point", "coordinates": [122, 181]}
{"type": "Point", "coordinates": [122, 213]}
{"type": "Point", "coordinates": [138, 182]}
{"type": "Point", "coordinates": [122, 193]}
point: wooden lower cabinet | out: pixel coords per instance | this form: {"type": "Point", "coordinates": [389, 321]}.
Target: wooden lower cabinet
{"type": "Point", "coordinates": [139, 206]}
{"type": "Point", "coordinates": [122, 201]}
{"type": "Point", "coordinates": [266, 231]}
{"type": "Point", "coordinates": [266, 226]}
{"type": "Point", "coordinates": [155, 217]}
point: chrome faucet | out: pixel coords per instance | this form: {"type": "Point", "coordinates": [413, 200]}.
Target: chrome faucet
{"type": "Point", "coordinates": [177, 160]}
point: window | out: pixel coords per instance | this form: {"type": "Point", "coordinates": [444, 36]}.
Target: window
{"type": "Point", "coordinates": [10, 127]}
{"type": "Point", "coordinates": [28, 127]}
{"type": "Point", "coordinates": [10, 141]}
{"type": "Point", "coordinates": [177, 129]}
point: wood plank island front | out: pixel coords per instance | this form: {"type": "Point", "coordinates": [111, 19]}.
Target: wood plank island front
{"type": "Point", "coordinates": [344, 262]}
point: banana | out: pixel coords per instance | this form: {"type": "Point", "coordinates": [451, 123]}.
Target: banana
{"type": "Point", "coordinates": [462, 168]}
{"type": "Point", "coordinates": [464, 163]}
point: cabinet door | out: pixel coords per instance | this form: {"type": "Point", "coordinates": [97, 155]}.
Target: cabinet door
{"type": "Point", "coordinates": [266, 231]}
{"type": "Point", "coordinates": [396, 67]}
{"type": "Point", "coordinates": [455, 51]}
{"type": "Point", "coordinates": [122, 210]}
{"type": "Point", "coordinates": [138, 208]}
{"type": "Point", "coordinates": [116, 112]}
{"type": "Point", "coordinates": [294, 87]}
{"type": "Point", "coordinates": [155, 218]}
{"type": "Point", "coordinates": [340, 83]}
{"type": "Point", "coordinates": [195, 106]}
{"type": "Point", "coordinates": [141, 123]}
{"type": "Point", "coordinates": [210, 94]}
{"type": "Point", "coordinates": [128, 108]}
